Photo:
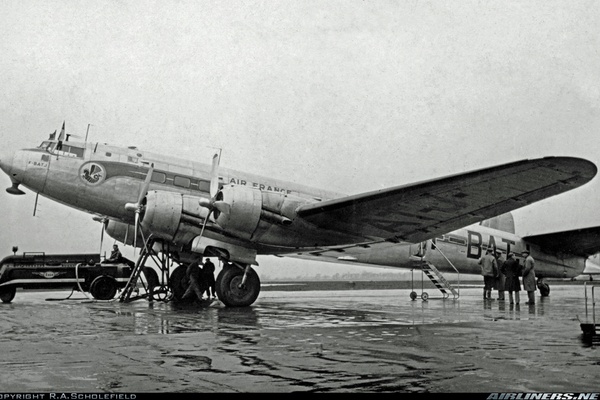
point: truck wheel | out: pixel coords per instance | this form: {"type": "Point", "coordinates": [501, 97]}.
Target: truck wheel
{"type": "Point", "coordinates": [103, 288]}
{"type": "Point", "coordinates": [7, 294]}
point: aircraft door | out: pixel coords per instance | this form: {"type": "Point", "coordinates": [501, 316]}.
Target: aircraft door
{"type": "Point", "coordinates": [418, 249]}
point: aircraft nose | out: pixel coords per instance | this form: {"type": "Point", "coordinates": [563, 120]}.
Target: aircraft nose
{"type": "Point", "coordinates": [6, 160]}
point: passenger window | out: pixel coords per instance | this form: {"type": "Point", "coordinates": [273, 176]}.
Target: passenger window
{"type": "Point", "coordinates": [108, 154]}
{"type": "Point", "coordinates": [159, 177]}
{"type": "Point", "coordinates": [181, 181]}
{"type": "Point", "coordinates": [204, 186]}
{"type": "Point", "coordinates": [457, 240]}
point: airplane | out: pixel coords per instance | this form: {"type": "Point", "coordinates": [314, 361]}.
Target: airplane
{"type": "Point", "coordinates": [192, 208]}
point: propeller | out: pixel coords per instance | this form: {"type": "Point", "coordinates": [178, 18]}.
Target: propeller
{"type": "Point", "coordinates": [212, 203]}
{"type": "Point", "coordinates": [138, 206]}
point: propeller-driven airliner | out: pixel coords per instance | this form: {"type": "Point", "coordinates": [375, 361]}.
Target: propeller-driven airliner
{"type": "Point", "coordinates": [190, 208]}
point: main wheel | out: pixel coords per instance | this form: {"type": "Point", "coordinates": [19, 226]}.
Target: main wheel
{"type": "Point", "coordinates": [178, 282]}
{"type": "Point", "coordinates": [103, 287]}
{"type": "Point", "coordinates": [7, 294]}
{"type": "Point", "coordinates": [231, 291]}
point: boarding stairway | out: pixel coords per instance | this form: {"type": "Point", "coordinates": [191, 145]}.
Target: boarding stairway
{"type": "Point", "coordinates": [438, 279]}
{"type": "Point", "coordinates": [435, 276]}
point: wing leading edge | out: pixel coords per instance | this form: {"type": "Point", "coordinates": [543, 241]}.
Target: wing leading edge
{"type": "Point", "coordinates": [423, 210]}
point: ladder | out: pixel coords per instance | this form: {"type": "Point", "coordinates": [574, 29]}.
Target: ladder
{"type": "Point", "coordinates": [434, 275]}
{"type": "Point", "coordinates": [438, 279]}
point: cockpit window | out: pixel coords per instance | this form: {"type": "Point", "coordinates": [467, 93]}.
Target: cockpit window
{"type": "Point", "coordinates": [46, 145]}
{"type": "Point", "coordinates": [66, 150]}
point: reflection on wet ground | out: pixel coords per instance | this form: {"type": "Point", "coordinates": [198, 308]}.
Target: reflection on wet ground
{"type": "Point", "coordinates": [324, 341]}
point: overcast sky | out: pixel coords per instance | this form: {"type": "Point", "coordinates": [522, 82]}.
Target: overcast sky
{"type": "Point", "coordinates": [346, 95]}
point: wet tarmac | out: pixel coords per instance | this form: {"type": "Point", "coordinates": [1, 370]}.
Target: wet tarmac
{"type": "Point", "coordinates": [309, 341]}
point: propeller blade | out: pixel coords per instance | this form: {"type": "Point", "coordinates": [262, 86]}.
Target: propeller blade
{"type": "Point", "coordinates": [204, 224]}
{"type": "Point", "coordinates": [146, 185]}
{"type": "Point", "coordinates": [135, 231]}
{"type": "Point", "coordinates": [214, 176]}
{"type": "Point", "coordinates": [102, 236]}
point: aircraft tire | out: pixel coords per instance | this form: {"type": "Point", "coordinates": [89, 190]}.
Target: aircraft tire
{"type": "Point", "coordinates": [413, 295]}
{"type": "Point", "coordinates": [8, 294]}
{"type": "Point", "coordinates": [229, 290]}
{"type": "Point", "coordinates": [424, 296]}
{"type": "Point", "coordinates": [103, 288]}
{"type": "Point", "coordinates": [178, 282]}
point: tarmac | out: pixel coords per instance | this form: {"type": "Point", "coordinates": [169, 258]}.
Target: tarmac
{"type": "Point", "coordinates": [300, 341]}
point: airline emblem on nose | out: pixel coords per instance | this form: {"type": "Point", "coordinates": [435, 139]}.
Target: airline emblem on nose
{"type": "Point", "coordinates": [92, 173]}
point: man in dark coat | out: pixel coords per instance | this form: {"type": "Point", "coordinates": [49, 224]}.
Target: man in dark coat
{"type": "Point", "coordinates": [499, 282]}
{"type": "Point", "coordinates": [512, 269]}
{"type": "Point", "coordinates": [209, 277]}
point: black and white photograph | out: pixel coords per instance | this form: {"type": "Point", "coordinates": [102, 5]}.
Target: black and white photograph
{"type": "Point", "coordinates": [289, 196]}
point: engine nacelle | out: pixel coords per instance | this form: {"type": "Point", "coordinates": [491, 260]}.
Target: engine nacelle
{"type": "Point", "coordinates": [243, 209]}
{"type": "Point", "coordinates": [240, 211]}
{"type": "Point", "coordinates": [122, 232]}
{"type": "Point", "coordinates": [173, 216]}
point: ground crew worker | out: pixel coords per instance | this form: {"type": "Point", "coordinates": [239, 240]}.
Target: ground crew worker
{"type": "Point", "coordinates": [489, 270]}
{"type": "Point", "coordinates": [115, 255]}
{"type": "Point", "coordinates": [193, 273]}
{"type": "Point", "coordinates": [209, 277]}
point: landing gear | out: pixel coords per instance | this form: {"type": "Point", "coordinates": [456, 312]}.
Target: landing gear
{"type": "Point", "coordinates": [178, 282]}
{"type": "Point", "coordinates": [8, 294]}
{"type": "Point", "coordinates": [237, 287]}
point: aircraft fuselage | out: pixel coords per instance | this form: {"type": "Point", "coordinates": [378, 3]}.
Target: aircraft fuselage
{"type": "Point", "coordinates": [102, 179]}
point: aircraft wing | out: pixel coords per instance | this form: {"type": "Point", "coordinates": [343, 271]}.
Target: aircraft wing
{"type": "Point", "coordinates": [581, 242]}
{"type": "Point", "coordinates": [424, 210]}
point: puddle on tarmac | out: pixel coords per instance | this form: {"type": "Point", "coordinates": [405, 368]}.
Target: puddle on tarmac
{"type": "Point", "coordinates": [299, 341]}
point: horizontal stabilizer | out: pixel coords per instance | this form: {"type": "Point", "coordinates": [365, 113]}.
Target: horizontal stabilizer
{"type": "Point", "coordinates": [581, 242]}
